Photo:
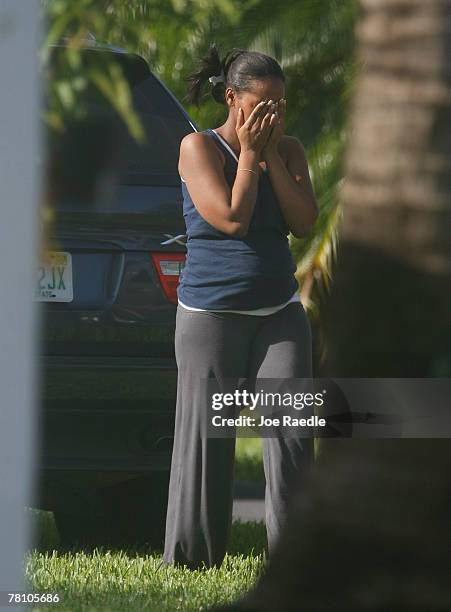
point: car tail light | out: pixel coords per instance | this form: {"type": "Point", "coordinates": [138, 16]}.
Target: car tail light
{"type": "Point", "coordinates": [169, 267]}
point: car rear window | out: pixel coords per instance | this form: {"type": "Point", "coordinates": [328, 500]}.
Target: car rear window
{"type": "Point", "coordinates": [164, 126]}
{"type": "Point", "coordinates": [100, 142]}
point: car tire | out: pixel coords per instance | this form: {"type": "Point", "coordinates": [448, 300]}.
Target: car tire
{"type": "Point", "coordinates": [129, 514]}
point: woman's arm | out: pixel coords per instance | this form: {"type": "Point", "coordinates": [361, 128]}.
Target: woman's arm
{"type": "Point", "coordinates": [228, 210]}
{"type": "Point", "coordinates": [291, 182]}
{"type": "Point", "coordinates": [293, 188]}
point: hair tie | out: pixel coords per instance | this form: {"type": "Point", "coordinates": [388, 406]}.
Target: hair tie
{"type": "Point", "coordinates": [220, 78]}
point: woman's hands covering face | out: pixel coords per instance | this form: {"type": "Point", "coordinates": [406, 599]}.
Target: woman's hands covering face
{"type": "Point", "coordinates": [254, 132]}
{"type": "Point", "coordinates": [278, 129]}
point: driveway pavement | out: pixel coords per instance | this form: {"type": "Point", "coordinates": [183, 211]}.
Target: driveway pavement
{"type": "Point", "coordinates": [249, 502]}
{"type": "Point", "coordinates": [249, 509]}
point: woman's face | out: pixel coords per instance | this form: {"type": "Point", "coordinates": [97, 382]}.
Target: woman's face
{"type": "Point", "coordinates": [271, 88]}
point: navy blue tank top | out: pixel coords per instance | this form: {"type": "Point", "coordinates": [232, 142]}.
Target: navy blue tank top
{"type": "Point", "coordinates": [223, 272]}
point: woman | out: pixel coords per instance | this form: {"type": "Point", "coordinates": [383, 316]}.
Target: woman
{"type": "Point", "coordinates": [246, 186]}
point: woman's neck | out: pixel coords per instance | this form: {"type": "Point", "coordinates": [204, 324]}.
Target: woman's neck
{"type": "Point", "coordinates": [228, 132]}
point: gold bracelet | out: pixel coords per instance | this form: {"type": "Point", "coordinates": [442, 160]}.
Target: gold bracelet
{"type": "Point", "coordinates": [248, 170]}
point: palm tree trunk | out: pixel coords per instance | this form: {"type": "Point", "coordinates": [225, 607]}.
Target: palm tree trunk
{"type": "Point", "coordinates": [357, 528]}
{"type": "Point", "coordinates": [389, 312]}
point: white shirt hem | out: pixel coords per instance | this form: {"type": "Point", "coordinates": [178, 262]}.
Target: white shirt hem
{"type": "Point", "coordinates": [258, 311]}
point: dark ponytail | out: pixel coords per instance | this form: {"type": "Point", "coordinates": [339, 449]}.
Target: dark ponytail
{"type": "Point", "coordinates": [240, 67]}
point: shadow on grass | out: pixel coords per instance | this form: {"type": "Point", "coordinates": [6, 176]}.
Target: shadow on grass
{"type": "Point", "coordinates": [246, 538]}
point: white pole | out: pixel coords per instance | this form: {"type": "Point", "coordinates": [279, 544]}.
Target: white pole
{"type": "Point", "coordinates": [19, 317]}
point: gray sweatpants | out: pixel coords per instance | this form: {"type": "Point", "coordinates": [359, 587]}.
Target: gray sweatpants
{"type": "Point", "coordinates": [227, 347]}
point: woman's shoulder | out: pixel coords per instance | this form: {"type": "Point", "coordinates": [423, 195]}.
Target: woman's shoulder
{"type": "Point", "coordinates": [199, 142]}
{"type": "Point", "coordinates": [288, 141]}
{"type": "Point", "coordinates": [196, 137]}
{"type": "Point", "coordinates": [195, 141]}
{"type": "Point", "coordinates": [287, 144]}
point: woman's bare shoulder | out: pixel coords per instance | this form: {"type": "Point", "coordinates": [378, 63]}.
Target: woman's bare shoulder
{"type": "Point", "coordinates": [200, 146]}
{"type": "Point", "coordinates": [287, 140]}
{"type": "Point", "coordinates": [200, 141]}
{"type": "Point", "coordinates": [288, 144]}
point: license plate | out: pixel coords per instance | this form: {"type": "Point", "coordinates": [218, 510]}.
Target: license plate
{"type": "Point", "coordinates": [54, 278]}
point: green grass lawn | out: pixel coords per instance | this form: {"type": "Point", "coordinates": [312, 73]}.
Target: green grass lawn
{"type": "Point", "coordinates": [134, 579]}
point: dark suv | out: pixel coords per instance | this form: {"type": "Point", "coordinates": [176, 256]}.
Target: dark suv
{"type": "Point", "coordinates": [107, 291]}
